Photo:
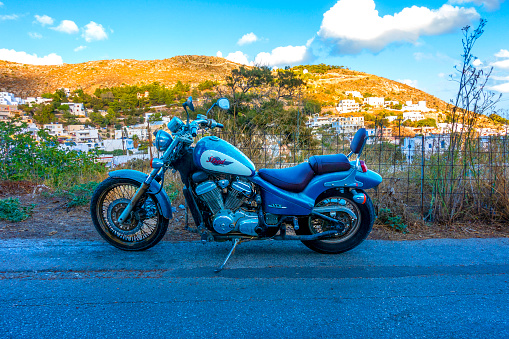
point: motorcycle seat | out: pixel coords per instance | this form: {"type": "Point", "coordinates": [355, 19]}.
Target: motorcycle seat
{"type": "Point", "coordinates": [322, 164]}
{"type": "Point", "coordinates": [293, 179]}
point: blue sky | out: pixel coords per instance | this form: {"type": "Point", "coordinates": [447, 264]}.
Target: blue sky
{"type": "Point", "coordinates": [417, 42]}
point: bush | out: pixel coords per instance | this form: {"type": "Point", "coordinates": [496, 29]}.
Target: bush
{"type": "Point", "coordinates": [11, 210]}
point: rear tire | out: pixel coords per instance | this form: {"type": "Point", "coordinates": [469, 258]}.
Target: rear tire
{"type": "Point", "coordinates": [355, 230]}
{"type": "Point", "coordinates": [147, 225]}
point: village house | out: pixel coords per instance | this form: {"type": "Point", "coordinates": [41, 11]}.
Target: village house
{"type": "Point", "coordinates": [354, 94]}
{"type": "Point", "coordinates": [75, 108]}
{"type": "Point", "coordinates": [37, 100]}
{"type": "Point", "coordinates": [420, 107]}
{"type": "Point", "coordinates": [430, 144]}
{"type": "Point", "coordinates": [54, 129]}
{"type": "Point", "coordinates": [317, 121]}
{"type": "Point", "coordinates": [413, 116]}
{"type": "Point", "coordinates": [374, 101]}
{"type": "Point", "coordinates": [347, 125]}
{"type": "Point", "coordinates": [347, 106]}
{"type": "Point", "coordinates": [7, 98]}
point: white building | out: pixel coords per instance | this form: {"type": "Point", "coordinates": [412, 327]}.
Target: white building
{"type": "Point", "coordinates": [318, 121]}
{"type": "Point", "coordinates": [347, 106]}
{"type": "Point", "coordinates": [139, 130]}
{"type": "Point", "coordinates": [7, 98]}
{"type": "Point", "coordinates": [37, 100]}
{"type": "Point", "coordinates": [392, 118]}
{"type": "Point", "coordinates": [374, 101]}
{"type": "Point", "coordinates": [413, 116]}
{"type": "Point", "coordinates": [75, 108]}
{"type": "Point", "coordinates": [86, 135]}
{"type": "Point", "coordinates": [354, 94]}
{"type": "Point", "coordinates": [346, 125]}
{"type": "Point", "coordinates": [54, 129]}
{"type": "Point", "coordinates": [433, 144]}
{"type": "Point", "coordinates": [420, 106]}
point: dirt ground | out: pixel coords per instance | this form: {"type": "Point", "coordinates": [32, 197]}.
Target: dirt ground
{"type": "Point", "coordinates": [51, 219]}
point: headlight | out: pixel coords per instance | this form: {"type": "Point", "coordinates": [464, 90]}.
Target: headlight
{"type": "Point", "coordinates": [175, 125]}
{"type": "Point", "coordinates": [163, 140]}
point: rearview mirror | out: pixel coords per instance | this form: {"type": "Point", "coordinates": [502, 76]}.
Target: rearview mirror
{"type": "Point", "coordinates": [189, 103]}
{"type": "Point", "coordinates": [224, 103]}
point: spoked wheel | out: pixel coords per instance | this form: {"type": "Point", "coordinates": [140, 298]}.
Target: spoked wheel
{"type": "Point", "coordinates": [355, 220]}
{"type": "Point", "coordinates": [144, 228]}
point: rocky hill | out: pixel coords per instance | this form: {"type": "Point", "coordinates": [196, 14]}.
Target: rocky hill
{"type": "Point", "coordinates": [28, 80]}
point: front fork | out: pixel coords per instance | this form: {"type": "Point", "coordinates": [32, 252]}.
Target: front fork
{"type": "Point", "coordinates": [137, 196]}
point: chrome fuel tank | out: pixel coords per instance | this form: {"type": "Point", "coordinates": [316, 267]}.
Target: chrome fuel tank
{"type": "Point", "coordinates": [213, 154]}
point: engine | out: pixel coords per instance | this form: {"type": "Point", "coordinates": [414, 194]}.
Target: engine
{"type": "Point", "coordinates": [225, 208]}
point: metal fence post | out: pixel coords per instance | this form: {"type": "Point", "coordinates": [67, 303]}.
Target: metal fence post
{"type": "Point", "coordinates": [422, 177]}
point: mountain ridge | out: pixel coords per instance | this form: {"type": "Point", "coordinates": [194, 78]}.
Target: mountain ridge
{"type": "Point", "coordinates": [33, 80]}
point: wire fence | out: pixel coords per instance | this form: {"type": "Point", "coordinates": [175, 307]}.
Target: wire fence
{"type": "Point", "coordinates": [423, 177]}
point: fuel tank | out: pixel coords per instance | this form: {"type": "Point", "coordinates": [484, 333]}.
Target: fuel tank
{"type": "Point", "coordinates": [214, 154]}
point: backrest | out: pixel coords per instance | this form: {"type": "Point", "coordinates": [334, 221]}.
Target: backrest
{"type": "Point", "coordinates": [358, 141]}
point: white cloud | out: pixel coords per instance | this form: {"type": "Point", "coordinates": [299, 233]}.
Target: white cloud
{"type": "Point", "coordinates": [35, 35]}
{"type": "Point", "coordinates": [67, 26]}
{"type": "Point", "coordinates": [412, 83]}
{"type": "Point", "coordinates": [284, 56]}
{"type": "Point", "coordinates": [1, 4]}
{"type": "Point", "coordinates": [238, 57]}
{"type": "Point", "coordinates": [248, 38]}
{"type": "Point", "coordinates": [80, 48]}
{"type": "Point", "coordinates": [354, 25]}
{"type": "Point", "coordinates": [219, 54]}
{"type": "Point", "coordinates": [490, 5]}
{"type": "Point", "coordinates": [44, 19]}
{"type": "Point", "coordinates": [8, 17]}
{"type": "Point", "coordinates": [503, 64]}
{"type": "Point", "coordinates": [503, 53]}
{"type": "Point", "coordinates": [441, 75]}
{"type": "Point", "coordinates": [503, 78]}
{"type": "Point", "coordinates": [477, 63]}
{"type": "Point", "coordinates": [502, 88]}
{"type": "Point", "coordinates": [25, 58]}
{"type": "Point", "coordinates": [94, 31]}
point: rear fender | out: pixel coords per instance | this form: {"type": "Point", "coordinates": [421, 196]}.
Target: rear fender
{"type": "Point", "coordinates": [162, 197]}
{"type": "Point", "coordinates": [348, 179]}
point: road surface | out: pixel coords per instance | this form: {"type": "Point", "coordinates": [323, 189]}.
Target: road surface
{"type": "Point", "coordinates": [381, 289]}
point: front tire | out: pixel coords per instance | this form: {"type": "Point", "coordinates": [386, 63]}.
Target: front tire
{"type": "Point", "coordinates": [146, 226]}
{"type": "Point", "coordinates": [356, 229]}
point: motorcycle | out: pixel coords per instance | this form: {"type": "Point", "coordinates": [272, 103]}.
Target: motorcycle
{"type": "Point", "coordinates": [322, 199]}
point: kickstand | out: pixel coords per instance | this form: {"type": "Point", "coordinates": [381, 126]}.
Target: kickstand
{"type": "Point", "coordinates": [235, 243]}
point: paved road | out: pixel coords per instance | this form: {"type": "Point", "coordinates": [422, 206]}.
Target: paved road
{"type": "Point", "coordinates": [432, 288]}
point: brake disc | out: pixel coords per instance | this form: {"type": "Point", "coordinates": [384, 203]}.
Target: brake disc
{"type": "Point", "coordinates": [115, 209]}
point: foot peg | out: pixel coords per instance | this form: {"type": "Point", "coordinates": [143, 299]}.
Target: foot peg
{"type": "Point", "coordinates": [235, 243]}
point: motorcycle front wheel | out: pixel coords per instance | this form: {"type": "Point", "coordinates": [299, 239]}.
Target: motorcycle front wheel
{"type": "Point", "coordinates": [145, 226]}
{"type": "Point", "coordinates": [357, 221]}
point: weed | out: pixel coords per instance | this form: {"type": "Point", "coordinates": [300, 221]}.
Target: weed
{"type": "Point", "coordinates": [11, 210]}
{"type": "Point", "coordinates": [77, 195]}
{"type": "Point", "coordinates": [386, 216]}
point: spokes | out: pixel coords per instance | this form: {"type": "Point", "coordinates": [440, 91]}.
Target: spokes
{"type": "Point", "coordinates": [346, 212]}
{"type": "Point", "coordinates": [143, 221]}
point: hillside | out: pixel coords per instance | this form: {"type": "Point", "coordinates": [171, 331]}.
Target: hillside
{"type": "Point", "coordinates": [28, 80]}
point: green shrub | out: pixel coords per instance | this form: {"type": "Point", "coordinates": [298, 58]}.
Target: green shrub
{"type": "Point", "coordinates": [386, 216]}
{"type": "Point", "coordinates": [77, 195]}
{"type": "Point", "coordinates": [11, 210]}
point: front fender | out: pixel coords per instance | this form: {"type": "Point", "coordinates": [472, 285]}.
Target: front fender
{"type": "Point", "coordinates": [162, 197]}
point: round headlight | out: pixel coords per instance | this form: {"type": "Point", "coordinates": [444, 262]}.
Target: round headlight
{"type": "Point", "coordinates": [175, 125]}
{"type": "Point", "coordinates": [163, 140]}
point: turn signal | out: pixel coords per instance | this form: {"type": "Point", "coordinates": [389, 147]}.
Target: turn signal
{"type": "Point", "coordinates": [156, 163]}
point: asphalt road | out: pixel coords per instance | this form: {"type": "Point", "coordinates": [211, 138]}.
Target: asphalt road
{"type": "Point", "coordinates": [426, 289]}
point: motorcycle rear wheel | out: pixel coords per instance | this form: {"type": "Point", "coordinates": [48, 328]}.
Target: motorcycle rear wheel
{"type": "Point", "coordinates": [146, 225]}
{"type": "Point", "coordinates": [355, 230]}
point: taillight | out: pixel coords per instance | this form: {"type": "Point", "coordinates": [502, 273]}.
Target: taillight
{"type": "Point", "coordinates": [364, 168]}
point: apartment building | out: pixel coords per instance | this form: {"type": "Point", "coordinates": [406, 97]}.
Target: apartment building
{"type": "Point", "coordinates": [317, 121]}
{"type": "Point", "coordinates": [7, 98]}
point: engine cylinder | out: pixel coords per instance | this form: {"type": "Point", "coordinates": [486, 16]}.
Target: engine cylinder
{"type": "Point", "coordinates": [238, 192]}
{"type": "Point", "coordinates": [211, 195]}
